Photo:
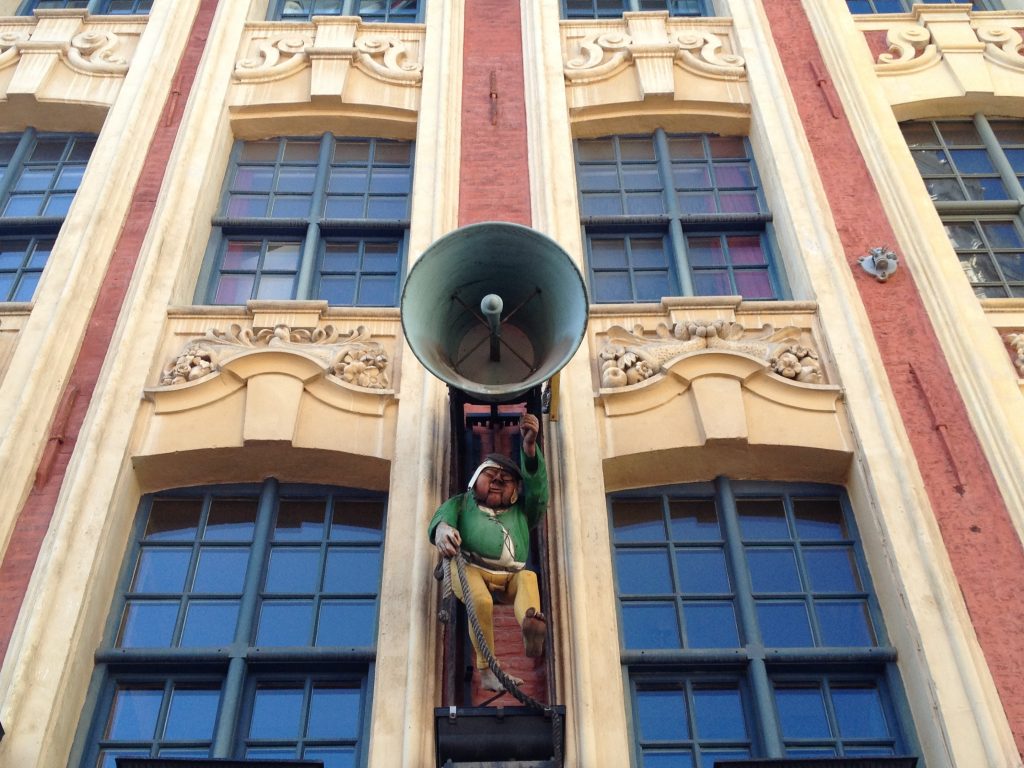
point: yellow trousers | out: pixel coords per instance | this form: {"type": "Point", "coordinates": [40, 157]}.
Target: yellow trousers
{"type": "Point", "coordinates": [520, 588]}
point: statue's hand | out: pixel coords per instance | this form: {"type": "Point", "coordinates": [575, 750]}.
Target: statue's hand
{"type": "Point", "coordinates": [447, 539]}
{"type": "Point", "coordinates": [529, 426]}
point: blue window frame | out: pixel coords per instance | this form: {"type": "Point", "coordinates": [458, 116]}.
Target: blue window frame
{"type": "Point", "coordinates": [99, 7]}
{"type": "Point", "coordinates": [749, 627]}
{"type": "Point", "coordinates": [903, 6]}
{"type": "Point", "coordinates": [973, 170]}
{"type": "Point", "coordinates": [311, 218]}
{"type": "Point", "coordinates": [39, 175]}
{"type": "Point", "coordinates": [609, 9]}
{"type": "Point", "coordinates": [244, 626]}
{"type": "Point", "coordinates": [674, 214]}
{"type": "Point", "coordinates": [394, 11]}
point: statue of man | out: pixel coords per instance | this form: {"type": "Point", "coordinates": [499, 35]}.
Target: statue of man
{"type": "Point", "coordinates": [491, 524]}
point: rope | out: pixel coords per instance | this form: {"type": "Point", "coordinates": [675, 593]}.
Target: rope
{"type": "Point", "coordinates": [474, 623]}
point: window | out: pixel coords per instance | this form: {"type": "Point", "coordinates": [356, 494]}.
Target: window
{"type": "Point", "coordinates": [665, 215]}
{"type": "Point", "coordinates": [903, 6]}
{"type": "Point", "coordinates": [245, 626]}
{"type": "Point", "coordinates": [102, 7]}
{"type": "Point", "coordinates": [606, 9]}
{"type": "Point", "coordinates": [369, 10]}
{"type": "Point", "coordinates": [311, 218]}
{"type": "Point", "coordinates": [749, 628]}
{"type": "Point", "coordinates": [39, 174]}
{"type": "Point", "coordinates": [972, 170]}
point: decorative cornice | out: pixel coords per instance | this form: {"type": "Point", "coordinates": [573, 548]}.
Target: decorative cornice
{"type": "Point", "coordinates": [353, 357]}
{"type": "Point", "coordinates": [629, 358]}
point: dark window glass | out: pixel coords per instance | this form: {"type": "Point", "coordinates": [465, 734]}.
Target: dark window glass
{"type": "Point", "coordinates": [902, 6]}
{"type": "Point", "coordinates": [394, 11]}
{"type": "Point", "coordinates": [607, 9]}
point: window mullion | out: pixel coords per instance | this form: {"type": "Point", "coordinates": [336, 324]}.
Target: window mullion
{"type": "Point", "coordinates": [998, 157]}
{"type": "Point", "coordinates": [676, 240]}
{"type": "Point", "coordinates": [17, 163]}
{"type": "Point", "coordinates": [758, 673]}
{"type": "Point", "coordinates": [311, 244]}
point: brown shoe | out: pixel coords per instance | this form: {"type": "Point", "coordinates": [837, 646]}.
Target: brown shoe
{"type": "Point", "coordinates": [535, 627]}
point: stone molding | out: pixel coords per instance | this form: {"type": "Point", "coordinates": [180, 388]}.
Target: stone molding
{"type": "Point", "coordinates": [649, 54]}
{"type": "Point", "coordinates": [336, 58]}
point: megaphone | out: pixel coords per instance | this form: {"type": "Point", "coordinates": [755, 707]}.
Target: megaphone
{"type": "Point", "coordinates": [494, 309]}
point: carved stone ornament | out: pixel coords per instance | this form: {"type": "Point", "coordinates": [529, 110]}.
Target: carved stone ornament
{"type": "Point", "coordinates": [910, 49]}
{"type": "Point", "coordinates": [9, 52]}
{"type": "Point", "coordinates": [354, 357]}
{"type": "Point", "coordinates": [630, 358]}
{"type": "Point", "coordinates": [1016, 342]}
{"type": "Point", "coordinates": [1003, 45]}
{"type": "Point", "coordinates": [602, 54]}
{"type": "Point", "coordinates": [277, 58]}
{"type": "Point", "coordinates": [94, 52]}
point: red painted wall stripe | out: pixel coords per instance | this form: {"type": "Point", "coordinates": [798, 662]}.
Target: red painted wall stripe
{"type": "Point", "coordinates": [494, 176]}
{"type": "Point", "coordinates": [34, 517]}
{"type": "Point", "coordinates": [982, 542]}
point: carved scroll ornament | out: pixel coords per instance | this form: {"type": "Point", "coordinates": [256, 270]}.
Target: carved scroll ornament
{"type": "Point", "coordinates": [1003, 47]}
{"type": "Point", "coordinates": [1016, 342]}
{"type": "Point", "coordinates": [276, 58]}
{"type": "Point", "coordinates": [630, 358]}
{"type": "Point", "coordinates": [910, 49]}
{"type": "Point", "coordinates": [352, 357]}
{"type": "Point", "coordinates": [94, 52]}
{"type": "Point", "coordinates": [9, 51]}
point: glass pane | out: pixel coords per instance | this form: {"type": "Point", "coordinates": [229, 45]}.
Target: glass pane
{"type": "Point", "coordinates": [702, 571]}
{"type": "Point", "coordinates": [34, 180]}
{"type": "Point", "coordinates": [231, 520]}
{"type": "Point", "coordinates": [347, 623]}
{"type": "Point", "coordinates": [108, 757]}
{"type": "Point", "coordinates": [294, 571]}
{"type": "Point", "coordinates": [378, 291]}
{"type": "Point", "coordinates": [381, 257]}
{"type": "Point", "coordinates": [643, 572]}
{"type": "Point", "coordinates": [696, 202]}
{"type": "Point", "coordinates": [634, 149]}
{"type": "Point", "coordinates": [637, 520]}
{"type": "Point", "coordinates": [1002, 234]}
{"type": "Point", "coordinates": [221, 570]}
{"type": "Point", "coordinates": [652, 286]}
{"type": "Point", "coordinates": [58, 204]}
{"type": "Point", "coordinates": [296, 180]}
{"type": "Point", "coordinates": [354, 152]}
{"type": "Point", "coordinates": [611, 287]}
{"type": "Point", "coordinates": [281, 257]}
{"type": "Point", "coordinates": [334, 712]}
{"type": "Point", "coordinates": [276, 287]}
{"type": "Point", "coordinates": [844, 623]}
{"type": "Point", "coordinates": [192, 714]}
{"type": "Point", "coordinates": [859, 713]}
{"type": "Point", "coordinates": [733, 176]}
{"type": "Point", "coordinates": [607, 253]}
{"type": "Point", "coordinates": [397, 152]}
{"type": "Point", "coordinates": [662, 714]}
{"type": "Point", "coordinates": [276, 713]}
{"type": "Point", "coordinates": [594, 204]}
{"type": "Point", "coordinates": [247, 206]}
{"type": "Point", "coordinates": [332, 757]}
{"type": "Point", "coordinates": [959, 132]}
{"type": "Point", "coordinates": [161, 570]}
{"type": "Point", "coordinates": [133, 714]}
{"type": "Point", "coordinates": [719, 714]}
{"type": "Point", "coordinates": [300, 520]}
{"type": "Point", "coordinates": [773, 570]}
{"type": "Point", "coordinates": [693, 520]}
{"type": "Point", "coordinates": [746, 250]}
{"type": "Point", "coordinates": [831, 570]}
{"type": "Point", "coordinates": [234, 289]}
{"type": "Point", "coordinates": [820, 519]}
{"type": "Point", "coordinates": [285, 623]}
{"type": "Point", "coordinates": [393, 181]}
{"type": "Point", "coordinates": [341, 257]}
{"type": "Point", "coordinates": [173, 519]}
{"type": "Point", "coordinates": [634, 177]}
{"type": "Point", "coordinates": [259, 151]}
{"type": "Point", "coordinates": [253, 179]}
{"type": "Point", "coordinates": [668, 759]}
{"type": "Point", "coordinates": [148, 624]}
{"type": "Point", "coordinates": [241, 255]}
{"type": "Point", "coordinates": [710, 625]}
{"type": "Point", "coordinates": [291, 207]}
{"type": "Point", "coordinates": [691, 177]}
{"type": "Point", "coordinates": [338, 291]}
{"type": "Point", "coordinates": [648, 253]}
{"type": "Point", "coordinates": [353, 571]}
{"type": "Point", "coordinates": [650, 625]}
{"type": "Point", "coordinates": [209, 623]}
{"type": "Point", "coordinates": [784, 625]}
{"type": "Point", "coordinates": [592, 178]}
{"type": "Point", "coordinates": [595, 150]}
{"type": "Point", "coordinates": [387, 208]}
{"type": "Point", "coordinates": [711, 284]}
{"type": "Point", "coordinates": [762, 519]}
{"type": "Point", "coordinates": [754, 285]}
{"type": "Point", "coordinates": [918, 134]}
{"type": "Point", "coordinates": [357, 521]}
{"type": "Point", "coordinates": [710, 758]}
{"type": "Point", "coordinates": [972, 161]}
{"type": "Point", "coordinates": [1012, 265]}
{"type": "Point", "coordinates": [739, 202]}
{"type": "Point", "coordinates": [802, 713]}
{"type": "Point", "coordinates": [727, 147]}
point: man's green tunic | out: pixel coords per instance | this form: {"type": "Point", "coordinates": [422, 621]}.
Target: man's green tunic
{"type": "Point", "coordinates": [483, 534]}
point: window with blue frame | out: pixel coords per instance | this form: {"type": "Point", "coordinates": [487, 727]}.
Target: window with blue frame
{"type": "Point", "coordinates": [673, 214]}
{"type": "Point", "coordinates": [610, 9]}
{"type": "Point", "coordinates": [311, 218]}
{"type": "Point", "coordinates": [244, 627]}
{"type": "Point", "coordinates": [99, 7]}
{"type": "Point", "coordinates": [903, 6]}
{"type": "Point", "coordinates": [973, 170]}
{"type": "Point", "coordinates": [394, 11]}
{"type": "Point", "coordinates": [749, 628]}
{"type": "Point", "coordinates": [39, 175]}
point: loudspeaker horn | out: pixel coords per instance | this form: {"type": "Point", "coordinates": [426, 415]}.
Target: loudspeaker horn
{"type": "Point", "coordinates": [494, 309]}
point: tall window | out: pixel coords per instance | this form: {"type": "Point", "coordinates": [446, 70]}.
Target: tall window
{"type": "Point", "coordinates": [369, 10]}
{"type": "Point", "coordinates": [311, 218]}
{"type": "Point", "coordinates": [605, 9]}
{"type": "Point", "coordinates": [103, 7]}
{"type": "Point", "coordinates": [39, 174]}
{"type": "Point", "coordinates": [665, 215]}
{"type": "Point", "coordinates": [244, 627]}
{"type": "Point", "coordinates": [749, 627]}
{"type": "Point", "coordinates": [973, 171]}
{"type": "Point", "coordinates": [903, 6]}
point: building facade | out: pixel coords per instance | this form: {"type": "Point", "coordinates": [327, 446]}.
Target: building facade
{"type": "Point", "coordinates": [787, 482]}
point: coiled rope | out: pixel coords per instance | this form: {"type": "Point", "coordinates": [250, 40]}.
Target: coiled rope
{"type": "Point", "coordinates": [459, 563]}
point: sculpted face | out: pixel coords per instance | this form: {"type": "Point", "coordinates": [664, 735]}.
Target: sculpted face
{"type": "Point", "coordinates": [495, 488]}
